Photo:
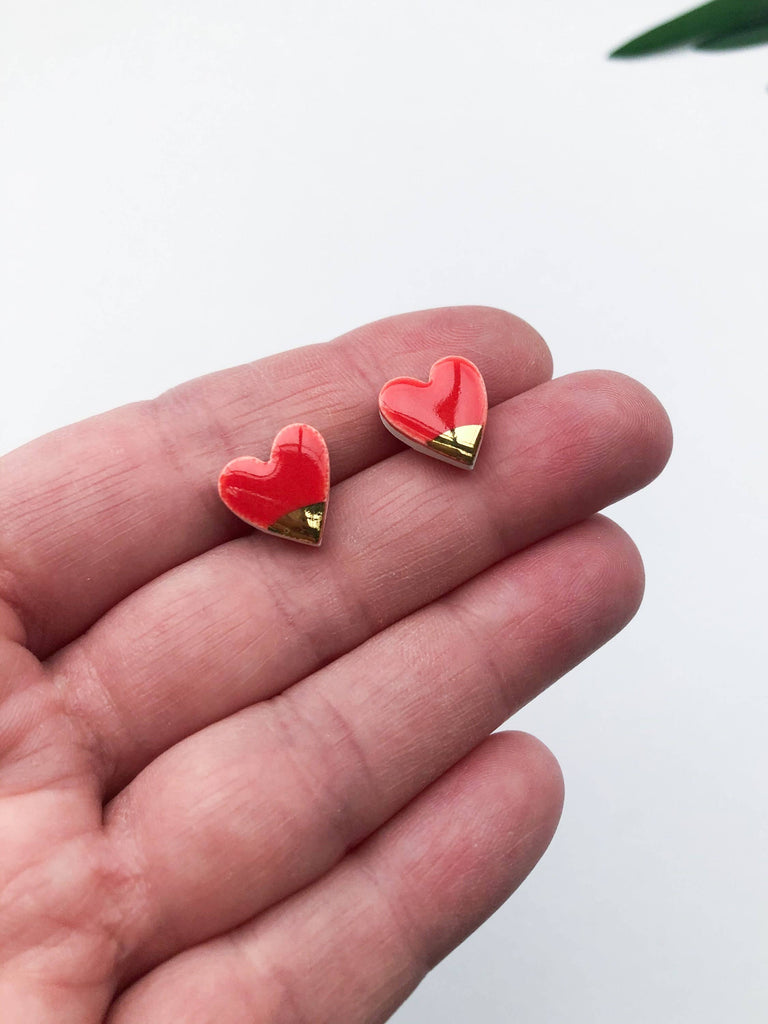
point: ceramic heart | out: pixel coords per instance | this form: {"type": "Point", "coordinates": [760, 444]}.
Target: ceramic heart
{"type": "Point", "coordinates": [288, 495]}
{"type": "Point", "coordinates": [444, 417]}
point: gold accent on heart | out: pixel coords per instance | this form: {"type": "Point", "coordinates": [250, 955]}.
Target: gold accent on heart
{"type": "Point", "coordinates": [459, 445]}
{"type": "Point", "coordinates": [304, 525]}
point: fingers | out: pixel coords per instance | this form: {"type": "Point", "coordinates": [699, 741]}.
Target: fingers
{"type": "Point", "coordinates": [245, 621]}
{"type": "Point", "coordinates": [253, 808]}
{"type": "Point", "coordinates": [93, 511]}
{"type": "Point", "coordinates": [352, 946]}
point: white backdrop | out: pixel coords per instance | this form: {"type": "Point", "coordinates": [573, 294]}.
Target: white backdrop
{"type": "Point", "coordinates": [190, 185]}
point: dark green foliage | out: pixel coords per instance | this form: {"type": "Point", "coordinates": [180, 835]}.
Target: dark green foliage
{"type": "Point", "coordinates": [735, 40]}
{"type": "Point", "coordinates": [720, 25]}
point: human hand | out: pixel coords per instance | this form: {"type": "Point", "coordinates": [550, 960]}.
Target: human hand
{"type": "Point", "coordinates": [242, 780]}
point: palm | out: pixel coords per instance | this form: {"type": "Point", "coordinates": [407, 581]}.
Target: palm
{"type": "Point", "coordinates": [247, 781]}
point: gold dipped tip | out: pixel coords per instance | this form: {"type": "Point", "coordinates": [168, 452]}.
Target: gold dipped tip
{"type": "Point", "coordinates": [459, 445]}
{"type": "Point", "coordinates": [304, 525]}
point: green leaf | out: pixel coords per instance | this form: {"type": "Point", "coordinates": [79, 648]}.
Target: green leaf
{"type": "Point", "coordinates": [702, 27]}
{"type": "Point", "coordinates": [735, 40]}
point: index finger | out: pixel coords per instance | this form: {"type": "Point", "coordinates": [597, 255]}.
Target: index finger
{"type": "Point", "coordinates": [92, 512]}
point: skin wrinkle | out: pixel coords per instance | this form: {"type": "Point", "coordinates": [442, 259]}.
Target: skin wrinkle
{"type": "Point", "coordinates": [216, 433]}
{"type": "Point", "coordinates": [217, 635]}
{"type": "Point", "coordinates": [265, 402]}
{"type": "Point", "coordinates": [406, 927]}
{"type": "Point", "coordinates": [77, 662]}
{"type": "Point", "coordinates": [334, 737]}
{"type": "Point", "coordinates": [120, 827]}
{"type": "Point", "coordinates": [227, 421]}
{"type": "Point", "coordinates": [410, 508]}
{"type": "Point", "coordinates": [124, 839]}
{"type": "Point", "coordinates": [67, 497]}
{"type": "Point", "coordinates": [476, 625]}
{"type": "Point", "coordinates": [91, 892]}
{"type": "Point", "coordinates": [13, 635]}
{"type": "Point", "coordinates": [359, 367]}
{"type": "Point", "coordinates": [78, 686]}
{"type": "Point", "coordinates": [383, 499]}
{"type": "Point", "coordinates": [276, 599]}
{"type": "Point", "coordinates": [12, 614]}
{"type": "Point", "coordinates": [33, 855]}
{"type": "Point", "coordinates": [38, 727]}
{"type": "Point", "coordinates": [288, 620]}
{"type": "Point", "coordinates": [559, 466]}
{"type": "Point", "coordinates": [114, 720]}
{"type": "Point", "coordinates": [590, 578]}
{"type": "Point", "coordinates": [284, 1006]}
{"type": "Point", "coordinates": [581, 441]}
{"type": "Point", "coordinates": [526, 804]}
{"type": "Point", "coordinates": [240, 977]}
{"type": "Point", "coordinates": [281, 606]}
{"type": "Point", "coordinates": [69, 493]}
{"type": "Point", "coordinates": [496, 513]}
{"type": "Point", "coordinates": [253, 949]}
{"type": "Point", "coordinates": [18, 669]}
{"type": "Point", "coordinates": [349, 586]}
{"type": "Point", "coordinates": [310, 398]}
{"type": "Point", "coordinates": [443, 328]}
{"type": "Point", "coordinates": [211, 407]}
{"type": "Point", "coordinates": [442, 946]}
{"type": "Point", "coordinates": [455, 683]}
{"type": "Point", "coordinates": [42, 758]}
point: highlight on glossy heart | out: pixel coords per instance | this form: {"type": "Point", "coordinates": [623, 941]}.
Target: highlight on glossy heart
{"type": "Point", "coordinates": [444, 417]}
{"type": "Point", "coordinates": [287, 496]}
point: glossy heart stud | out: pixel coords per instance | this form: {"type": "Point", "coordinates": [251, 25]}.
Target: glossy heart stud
{"type": "Point", "coordinates": [445, 417]}
{"type": "Point", "coordinates": [288, 495]}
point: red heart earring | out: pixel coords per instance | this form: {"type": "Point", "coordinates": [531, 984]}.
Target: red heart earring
{"type": "Point", "coordinates": [444, 417]}
{"type": "Point", "coordinates": [288, 495]}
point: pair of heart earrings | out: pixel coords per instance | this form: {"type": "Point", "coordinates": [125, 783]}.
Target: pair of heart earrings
{"type": "Point", "coordinates": [288, 495]}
